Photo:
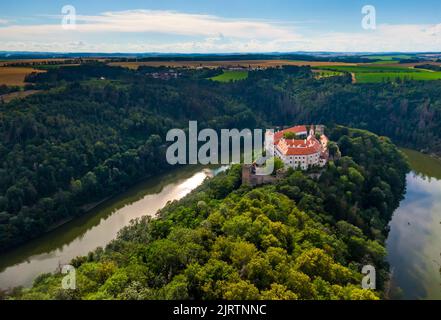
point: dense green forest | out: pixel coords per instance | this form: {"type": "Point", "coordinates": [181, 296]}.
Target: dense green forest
{"type": "Point", "coordinates": [301, 238]}
{"type": "Point", "coordinates": [95, 130]}
{"type": "Point", "coordinates": [85, 140]}
{"type": "Point", "coordinates": [409, 112]}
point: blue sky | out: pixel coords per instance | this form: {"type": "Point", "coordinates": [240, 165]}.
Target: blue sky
{"type": "Point", "coordinates": [220, 26]}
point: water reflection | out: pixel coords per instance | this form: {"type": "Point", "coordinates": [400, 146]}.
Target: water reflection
{"type": "Point", "coordinates": [414, 242]}
{"type": "Point", "coordinates": [99, 227]}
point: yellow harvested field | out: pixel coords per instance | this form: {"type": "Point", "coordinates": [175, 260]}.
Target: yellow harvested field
{"type": "Point", "coordinates": [216, 64]}
{"type": "Point", "coordinates": [12, 76]}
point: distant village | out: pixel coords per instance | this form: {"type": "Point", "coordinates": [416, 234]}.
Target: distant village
{"type": "Point", "coordinates": [164, 75]}
{"type": "Point", "coordinates": [174, 74]}
{"type": "Point", "coordinates": [238, 68]}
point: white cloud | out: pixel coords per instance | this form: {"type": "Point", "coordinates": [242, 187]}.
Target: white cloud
{"type": "Point", "coordinates": [183, 32]}
{"type": "Point", "coordinates": [4, 21]}
{"type": "Point", "coordinates": [410, 38]}
{"type": "Point", "coordinates": [167, 22]}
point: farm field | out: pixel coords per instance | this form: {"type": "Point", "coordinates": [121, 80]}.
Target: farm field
{"type": "Point", "coordinates": [370, 73]}
{"type": "Point", "coordinates": [370, 68]}
{"type": "Point", "coordinates": [384, 62]}
{"type": "Point", "coordinates": [8, 62]}
{"type": "Point", "coordinates": [391, 76]}
{"type": "Point", "coordinates": [229, 76]}
{"type": "Point", "coordinates": [217, 64]}
{"type": "Point", "coordinates": [389, 57]}
{"type": "Point", "coordinates": [14, 76]}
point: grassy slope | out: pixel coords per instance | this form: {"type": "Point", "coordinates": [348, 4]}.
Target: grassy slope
{"type": "Point", "coordinates": [326, 73]}
{"type": "Point", "coordinates": [391, 76]}
{"type": "Point", "coordinates": [228, 76]}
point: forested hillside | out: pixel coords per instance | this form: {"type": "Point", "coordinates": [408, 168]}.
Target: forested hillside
{"type": "Point", "coordinates": [298, 239]}
{"type": "Point", "coordinates": [96, 130]}
{"type": "Point", "coordinates": [409, 112]}
{"type": "Point", "coordinates": [85, 141]}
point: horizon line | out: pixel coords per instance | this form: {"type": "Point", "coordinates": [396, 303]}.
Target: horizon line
{"type": "Point", "coordinates": [215, 53]}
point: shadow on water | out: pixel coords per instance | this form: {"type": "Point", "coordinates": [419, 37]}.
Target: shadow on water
{"type": "Point", "coordinates": [414, 240]}
{"type": "Point", "coordinates": [98, 227]}
{"type": "Point", "coordinates": [423, 165]}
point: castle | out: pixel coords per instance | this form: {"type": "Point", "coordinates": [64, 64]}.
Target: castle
{"type": "Point", "coordinates": [297, 147]}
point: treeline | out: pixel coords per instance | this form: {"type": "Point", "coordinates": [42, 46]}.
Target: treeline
{"type": "Point", "coordinates": [433, 67]}
{"type": "Point", "coordinates": [84, 141]}
{"type": "Point", "coordinates": [99, 129]}
{"type": "Point", "coordinates": [408, 112]}
{"type": "Point", "coordinates": [39, 63]}
{"type": "Point", "coordinates": [82, 72]}
{"type": "Point", "coordinates": [301, 238]}
{"type": "Point", "coordinates": [248, 57]}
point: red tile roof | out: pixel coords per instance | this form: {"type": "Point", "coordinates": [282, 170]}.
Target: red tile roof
{"type": "Point", "coordinates": [297, 129]}
{"type": "Point", "coordinates": [299, 147]}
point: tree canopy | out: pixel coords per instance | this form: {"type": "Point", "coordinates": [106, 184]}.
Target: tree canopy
{"type": "Point", "coordinates": [300, 238]}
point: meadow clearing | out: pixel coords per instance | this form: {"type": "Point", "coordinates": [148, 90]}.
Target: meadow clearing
{"type": "Point", "coordinates": [226, 64]}
{"type": "Point", "coordinates": [228, 76]}
{"type": "Point", "coordinates": [319, 73]}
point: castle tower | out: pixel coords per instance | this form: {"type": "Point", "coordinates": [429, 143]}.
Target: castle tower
{"type": "Point", "coordinates": [311, 131]}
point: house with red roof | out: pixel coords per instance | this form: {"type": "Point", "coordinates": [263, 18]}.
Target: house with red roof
{"type": "Point", "coordinates": [297, 148]}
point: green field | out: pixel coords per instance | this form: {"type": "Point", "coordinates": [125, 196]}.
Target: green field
{"type": "Point", "coordinates": [370, 69]}
{"type": "Point", "coordinates": [392, 76]}
{"type": "Point", "coordinates": [389, 57]}
{"type": "Point", "coordinates": [377, 73]}
{"type": "Point", "coordinates": [229, 76]}
{"type": "Point", "coordinates": [385, 62]}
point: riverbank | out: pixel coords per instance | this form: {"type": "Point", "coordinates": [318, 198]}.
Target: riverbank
{"type": "Point", "coordinates": [411, 253]}
{"type": "Point", "coordinates": [415, 233]}
{"type": "Point", "coordinates": [279, 234]}
{"type": "Point", "coordinates": [98, 227]}
{"type": "Point", "coordinates": [425, 164]}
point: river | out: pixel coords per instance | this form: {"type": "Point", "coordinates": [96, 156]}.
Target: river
{"type": "Point", "coordinates": [414, 241]}
{"type": "Point", "coordinates": [21, 266]}
{"type": "Point", "coordinates": [413, 244]}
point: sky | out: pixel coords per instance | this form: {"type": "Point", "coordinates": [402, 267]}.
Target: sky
{"type": "Point", "coordinates": [214, 26]}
